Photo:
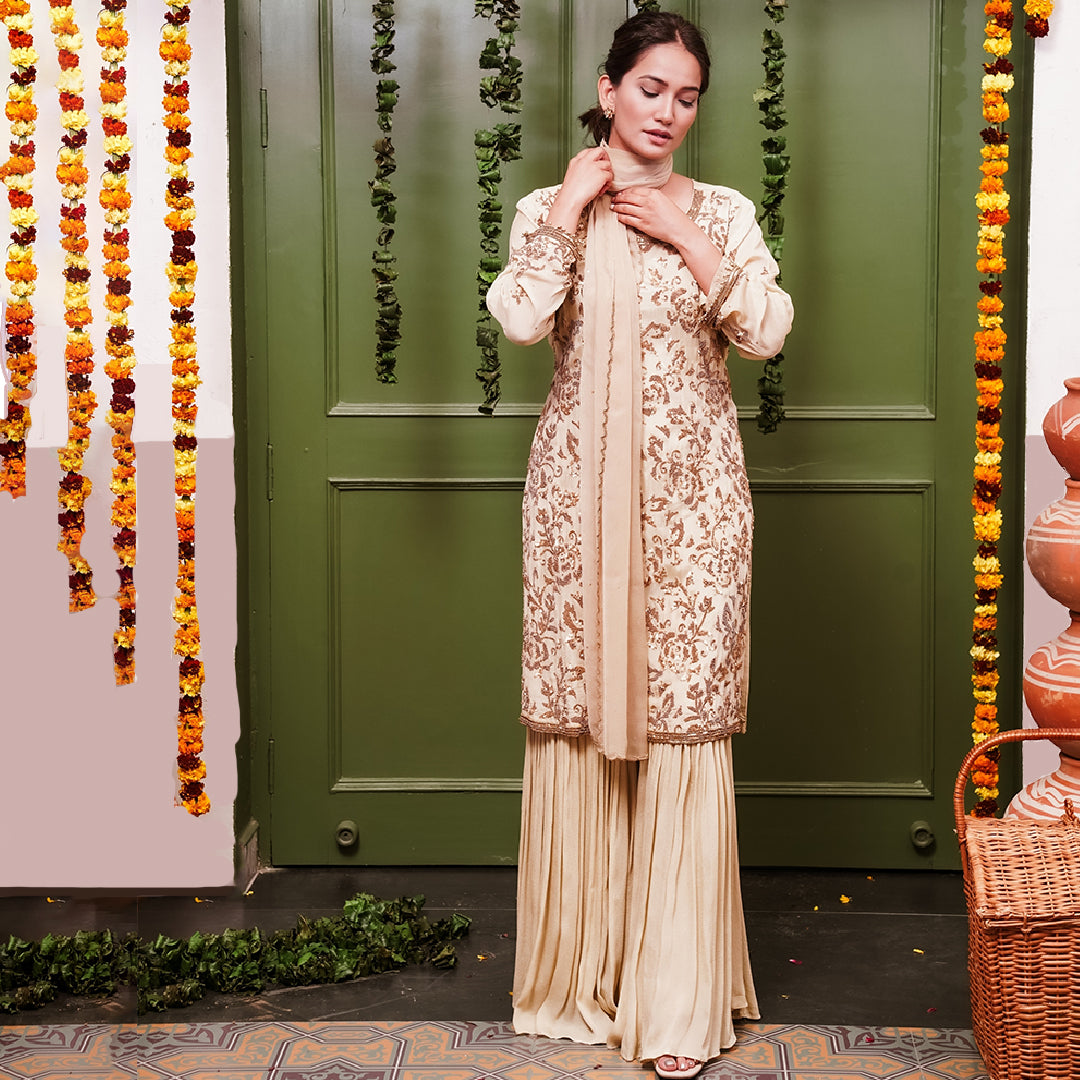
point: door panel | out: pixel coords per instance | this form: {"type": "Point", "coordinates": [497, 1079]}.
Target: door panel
{"type": "Point", "coordinates": [395, 598]}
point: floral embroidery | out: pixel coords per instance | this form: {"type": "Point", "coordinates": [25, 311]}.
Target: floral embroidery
{"type": "Point", "coordinates": [697, 519]}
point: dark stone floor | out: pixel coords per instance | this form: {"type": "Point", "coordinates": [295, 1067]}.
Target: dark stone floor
{"type": "Point", "coordinates": [893, 954]}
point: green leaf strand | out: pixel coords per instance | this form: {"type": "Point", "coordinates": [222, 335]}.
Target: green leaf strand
{"type": "Point", "coordinates": [494, 146]}
{"type": "Point", "coordinates": [769, 98]}
{"type": "Point", "coordinates": [369, 937]}
{"type": "Point", "coordinates": [384, 264]}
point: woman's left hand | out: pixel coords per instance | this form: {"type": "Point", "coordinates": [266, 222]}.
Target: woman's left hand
{"type": "Point", "coordinates": [651, 212]}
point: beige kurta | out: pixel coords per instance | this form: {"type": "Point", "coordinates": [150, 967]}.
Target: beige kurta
{"type": "Point", "coordinates": [697, 519]}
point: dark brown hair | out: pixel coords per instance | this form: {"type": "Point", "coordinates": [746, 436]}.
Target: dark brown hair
{"type": "Point", "coordinates": [636, 36]}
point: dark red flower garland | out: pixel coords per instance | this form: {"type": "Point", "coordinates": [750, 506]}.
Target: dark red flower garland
{"type": "Point", "coordinates": [17, 174]}
{"type": "Point", "coordinates": [182, 271]}
{"type": "Point", "coordinates": [115, 200]}
{"type": "Point", "coordinates": [72, 175]}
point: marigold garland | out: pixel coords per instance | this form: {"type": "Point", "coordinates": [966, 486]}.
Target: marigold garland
{"type": "Point", "coordinates": [18, 176]}
{"type": "Point", "coordinates": [1038, 12]}
{"type": "Point", "coordinates": [384, 268]}
{"type": "Point", "coordinates": [770, 100]}
{"type": "Point", "coordinates": [494, 146]}
{"type": "Point", "coordinates": [72, 175]}
{"type": "Point", "coordinates": [182, 270]}
{"type": "Point", "coordinates": [993, 205]}
{"type": "Point", "coordinates": [115, 200]}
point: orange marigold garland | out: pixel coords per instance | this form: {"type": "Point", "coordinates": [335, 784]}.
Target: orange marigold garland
{"type": "Point", "coordinates": [18, 176]}
{"type": "Point", "coordinates": [1038, 13]}
{"type": "Point", "coordinates": [115, 200]}
{"type": "Point", "coordinates": [182, 270]}
{"type": "Point", "coordinates": [72, 174]}
{"type": "Point", "coordinates": [993, 205]}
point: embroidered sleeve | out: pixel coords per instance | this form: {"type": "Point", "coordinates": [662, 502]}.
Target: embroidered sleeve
{"type": "Point", "coordinates": [539, 273]}
{"type": "Point", "coordinates": [744, 301]}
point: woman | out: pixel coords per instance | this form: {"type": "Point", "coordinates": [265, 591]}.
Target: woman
{"type": "Point", "coordinates": [637, 533]}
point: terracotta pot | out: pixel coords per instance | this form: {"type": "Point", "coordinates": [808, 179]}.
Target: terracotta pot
{"type": "Point", "coordinates": [1053, 547]}
{"type": "Point", "coordinates": [1044, 799]}
{"type": "Point", "coordinates": [1061, 428]}
{"type": "Point", "coordinates": [1052, 685]}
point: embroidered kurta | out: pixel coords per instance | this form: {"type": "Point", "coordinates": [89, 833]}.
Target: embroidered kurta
{"type": "Point", "coordinates": [696, 514]}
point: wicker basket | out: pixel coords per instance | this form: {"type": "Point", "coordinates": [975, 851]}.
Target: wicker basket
{"type": "Point", "coordinates": [1022, 881]}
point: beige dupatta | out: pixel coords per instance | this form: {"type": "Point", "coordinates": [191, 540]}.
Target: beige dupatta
{"type": "Point", "coordinates": [612, 551]}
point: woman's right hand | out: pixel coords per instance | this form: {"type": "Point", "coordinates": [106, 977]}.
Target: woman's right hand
{"type": "Point", "coordinates": [588, 175]}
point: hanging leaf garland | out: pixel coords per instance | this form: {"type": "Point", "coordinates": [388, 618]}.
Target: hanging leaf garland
{"type": "Point", "coordinates": [770, 100]}
{"type": "Point", "coordinates": [182, 270]}
{"type": "Point", "coordinates": [115, 200]}
{"type": "Point", "coordinates": [646, 5]}
{"type": "Point", "coordinates": [992, 201]}
{"type": "Point", "coordinates": [384, 264]}
{"type": "Point", "coordinates": [18, 176]}
{"type": "Point", "coordinates": [72, 175]}
{"type": "Point", "coordinates": [494, 146]}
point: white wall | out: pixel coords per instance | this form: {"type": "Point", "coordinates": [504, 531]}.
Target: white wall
{"type": "Point", "coordinates": [1053, 282]}
{"type": "Point", "coordinates": [87, 768]}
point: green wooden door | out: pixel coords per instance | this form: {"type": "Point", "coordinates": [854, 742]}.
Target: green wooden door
{"type": "Point", "coordinates": [386, 656]}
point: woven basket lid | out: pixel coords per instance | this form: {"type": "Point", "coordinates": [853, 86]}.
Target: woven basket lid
{"type": "Point", "coordinates": [1023, 871]}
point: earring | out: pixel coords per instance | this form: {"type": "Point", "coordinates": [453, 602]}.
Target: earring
{"type": "Point", "coordinates": [609, 114]}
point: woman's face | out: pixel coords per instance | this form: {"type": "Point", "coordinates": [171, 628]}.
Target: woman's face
{"type": "Point", "coordinates": [655, 103]}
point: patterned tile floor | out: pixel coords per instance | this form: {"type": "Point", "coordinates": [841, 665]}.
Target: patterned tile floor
{"type": "Point", "coordinates": [457, 1050]}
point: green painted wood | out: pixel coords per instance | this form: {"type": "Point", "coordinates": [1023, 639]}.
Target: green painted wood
{"type": "Point", "coordinates": [387, 652]}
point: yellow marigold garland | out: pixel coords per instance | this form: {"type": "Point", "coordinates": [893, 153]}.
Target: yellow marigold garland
{"type": "Point", "coordinates": [1038, 12]}
{"type": "Point", "coordinates": [18, 176]}
{"type": "Point", "coordinates": [72, 175]}
{"type": "Point", "coordinates": [115, 200]}
{"type": "Point", "coordinates": [182, 270]}
{"type": "Point", "coordinates": [993, 205]}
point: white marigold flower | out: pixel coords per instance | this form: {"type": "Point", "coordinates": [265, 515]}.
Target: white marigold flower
{"type": "Point", "coordinates": [1003, 83]}
{"type": "Point", "coordinates": [71, 81]}
{"type": "Point", "coordinates": [117, 145]}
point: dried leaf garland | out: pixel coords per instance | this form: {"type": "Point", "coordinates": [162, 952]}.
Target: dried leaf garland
{"type": "Point", "coordinates": [182, 271]}
{"type": "Point", "coordinates": [115, 200]}
{"type": "Point", "coordinates": [770, 100]}
{"type": "Point", "coordinates": [18, 176]}
{"type": "Point", "coordinates": [494, 146]}
{"type": "Point", "coordinates": [992, 201]}
{"type": "Point", "coordinates": [384, 264]}
{"type": "Point", "coordinates": [72, 175]}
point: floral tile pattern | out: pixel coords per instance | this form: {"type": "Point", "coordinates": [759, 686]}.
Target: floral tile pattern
{"type": "Point", "coordinates": [456, 1050]}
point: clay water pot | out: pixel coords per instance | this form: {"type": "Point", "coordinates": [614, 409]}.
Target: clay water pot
{"type": "Point", "coordinates": [1053, 547]}
{"type": "Point", "coordinates": [1061, 428]}
{"type": "Point", "coordinates": [1052, 684]}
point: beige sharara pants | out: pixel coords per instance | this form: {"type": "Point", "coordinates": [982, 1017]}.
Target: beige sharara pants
{"type": "Point", "coordinates": [629, 912]}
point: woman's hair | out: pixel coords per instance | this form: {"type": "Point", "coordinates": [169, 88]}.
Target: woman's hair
{"type": "Point", "coordinates": [636, 36]}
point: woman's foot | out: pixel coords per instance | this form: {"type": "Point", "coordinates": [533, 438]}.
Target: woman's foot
{"type": "Point", "coordinates": [677, 1068]}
